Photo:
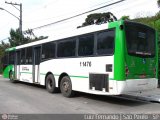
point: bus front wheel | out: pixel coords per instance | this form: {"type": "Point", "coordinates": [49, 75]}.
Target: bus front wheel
{"type": "Point", "coordinates": [11, 77]}
{"type": "Point", "coordinates": [66, 87]}
{"type": "Point", "coordinates": [50, 84]}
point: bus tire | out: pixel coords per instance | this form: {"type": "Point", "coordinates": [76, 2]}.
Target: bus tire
{"type": "Point", "coordinates": [51, 84]}
{"type": "Point", "coordinates": [66, 87]}
{"type": "Point", "coordinates": [11, 77]}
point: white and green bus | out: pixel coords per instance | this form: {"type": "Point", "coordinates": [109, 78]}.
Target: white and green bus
{"type": "Point", "coordinates": [110, 59]}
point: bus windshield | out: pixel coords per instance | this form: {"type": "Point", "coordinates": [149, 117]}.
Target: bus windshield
{"type": "Point", "coordinates": [140, 40]}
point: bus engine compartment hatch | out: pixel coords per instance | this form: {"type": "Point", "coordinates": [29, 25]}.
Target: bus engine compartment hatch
{"type": "Point", "coordinates": [99, 82]}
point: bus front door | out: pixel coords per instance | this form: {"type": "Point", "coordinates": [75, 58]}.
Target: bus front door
{"type": "Point", "coordinates": [17, 65]}
{"type": "Point", "coordinates": [36, 62]}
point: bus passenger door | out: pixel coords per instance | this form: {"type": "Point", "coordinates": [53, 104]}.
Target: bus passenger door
{"type": "Point", "coordinates": [17, 65]}
{"type": "Point", "coordinates": [36, 62]}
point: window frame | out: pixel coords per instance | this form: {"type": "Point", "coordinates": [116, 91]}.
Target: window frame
{"type": "Point", "coordinates": [21, 63]}
{"type": "Point", "coordinates": [111, 29]}
{"type": "Point", "coordinates": [11, 60]}
{"type": "Point", "coordinates": [74, 38]}
{"type": "Point", "coordinates": [26, 50]}
{"type": "Point", "coordinates": [128, 23]}
{"type": "Point", "coordinates": [88, 34]}
{"type": "Point", "coordinates": [54, 56]}
{"type": "Point", "coordinates": [66, 40]}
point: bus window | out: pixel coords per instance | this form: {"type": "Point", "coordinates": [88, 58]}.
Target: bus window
{"type": "Point", "coordinates": [23, 56]}
{"type": "Point", "coordinates": [18, 62]}
{"type": "Point", "coordinates": [11, 57]}
{"type": "Point", "coordinates": [105, 42]}
{"type": "Point", "coordinates": [29, 55]}
{"type": "Point", "coordinates": [86, 45]}
{"type": "Point", "coordinates": [66, 48]}
{"type": "Point", "coordinates": [48, 51]}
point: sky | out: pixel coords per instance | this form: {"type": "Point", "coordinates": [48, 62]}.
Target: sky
{"type": "Point", "coordinates": [40, 12]}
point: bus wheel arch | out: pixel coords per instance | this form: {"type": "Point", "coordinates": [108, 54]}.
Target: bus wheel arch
{"type": "Point", "coordinates": [65, 85]}
{"type": "Point", "coordinates": [50, 83]}
{"type": "Point", "coordinates": [46, 76]}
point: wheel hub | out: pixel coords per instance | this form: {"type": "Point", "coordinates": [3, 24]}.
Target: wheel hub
{"type": "Point", "coordinates": [66, 86]}
{"type": "Point", "coordinates": [50, 83]}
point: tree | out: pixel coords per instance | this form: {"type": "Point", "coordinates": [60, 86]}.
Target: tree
{"type": "Point", "coordinates": [30, 35]}
{"type": "Point", "coordinates": [158, 2]}
{"type": "Point", "coordinates": [3, 46]}
{"type": "Point", "coordinates": [153, 21]}
{"type": "Point", "coordinates": [125, 17]}
{"type": "Point", "coordinates": [16, 38]}
{"type": "Point", "coordinates": [98, 18]}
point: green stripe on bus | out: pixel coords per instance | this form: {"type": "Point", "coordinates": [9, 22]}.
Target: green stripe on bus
{"type": "Point", "coordinates": [74, 76]}
{"type": "Point", "coordinates": [79, 76]}
{"type": "Point", "coordinates": [42, 74]}
{"type": "Point", "coordinates": [56, 75]}
{"type": "Point", "coordinates": [70, 75]}
{"type": "Point", "coordinates": [26, 72]}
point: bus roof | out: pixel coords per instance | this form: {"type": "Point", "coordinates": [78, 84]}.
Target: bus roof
{"type": "Point", "coordinates": [76, 32]}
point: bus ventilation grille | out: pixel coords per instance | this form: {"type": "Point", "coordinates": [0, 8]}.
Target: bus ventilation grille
{"type": "Point", "coordinates": [99, 82]}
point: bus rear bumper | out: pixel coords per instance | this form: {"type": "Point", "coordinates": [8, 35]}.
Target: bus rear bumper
{"type": "Point", "coordinates": [136, 85]}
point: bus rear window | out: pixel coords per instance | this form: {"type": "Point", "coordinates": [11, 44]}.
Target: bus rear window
{"type": "Point", "coordinates": [140, 40]}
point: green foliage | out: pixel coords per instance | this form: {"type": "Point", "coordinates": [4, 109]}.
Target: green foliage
{"type": "Point", "coordinates": [3, 46]}
{"type": "Point", "coordinates": [153, 22]}
{"type": "Point", "coordinates": [158, 2]}
{"type": "Point", "coordinates": [17, 39]}
{"type": "Point", "coordinates": [98, 18]}
{"type": "Point", "coordinates": [125, 18]}
{"type": "Point", "coordinates": [150, 21]}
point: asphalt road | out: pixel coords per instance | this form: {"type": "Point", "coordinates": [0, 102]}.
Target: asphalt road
{"type": "Point", "coordinates": [22, 98]}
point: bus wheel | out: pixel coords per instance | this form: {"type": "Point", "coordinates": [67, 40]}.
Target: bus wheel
{"type": "Point", "coordinates": [66, 87]}
{"type": "Point", "coordinates": [50, 84]}
{"type": "Point", "coordinates": [11, 77]}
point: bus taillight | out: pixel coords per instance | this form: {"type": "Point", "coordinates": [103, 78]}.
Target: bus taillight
{"type": "Point", "coordinates": [142, 76]}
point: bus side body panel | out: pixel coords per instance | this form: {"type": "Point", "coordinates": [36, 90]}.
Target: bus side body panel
{"type": "Point", "coordinates": [119, 57]}
{"type": "Point", "coordinates": [26, 73]}
{"type": "Point", "coordinates": [79, 69]}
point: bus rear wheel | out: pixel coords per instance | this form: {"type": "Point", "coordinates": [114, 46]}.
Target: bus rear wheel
{"type": "Point", "coordinates": [51, 84]}
{"type": "Point", "coordinates": [66, 87]}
